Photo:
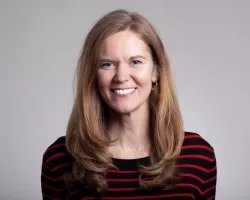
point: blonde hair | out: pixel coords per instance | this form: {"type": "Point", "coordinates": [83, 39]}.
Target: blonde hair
{"type": "Point", "coordinates": [87, 139]}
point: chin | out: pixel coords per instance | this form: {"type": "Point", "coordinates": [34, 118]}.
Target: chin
{"type": "Point", "coordinates": [123, 110]}
{"type": "Point", "coordinates": [126, 108]}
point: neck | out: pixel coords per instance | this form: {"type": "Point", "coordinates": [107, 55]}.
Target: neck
{"type": "Point", "coordinates": [131, 131]}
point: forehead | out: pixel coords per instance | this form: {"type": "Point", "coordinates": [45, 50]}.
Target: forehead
{"type": "Point", "coordinates": [125, 43]}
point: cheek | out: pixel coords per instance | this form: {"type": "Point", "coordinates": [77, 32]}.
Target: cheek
{"type": "Point", "coordinates": [143, 76]}
{"type": "Point", "coordinates": [103, 82]}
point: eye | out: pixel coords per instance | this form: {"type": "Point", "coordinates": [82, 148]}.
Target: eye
{"type": "Point", "coordinates": [106, 65]}
{"type": "Point", "coordinates": [135, 62]}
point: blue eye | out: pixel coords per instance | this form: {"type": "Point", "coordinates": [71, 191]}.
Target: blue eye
{"type": "Point", "coordinates": [136, 62]}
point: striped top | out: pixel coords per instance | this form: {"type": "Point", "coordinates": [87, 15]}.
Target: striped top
{"type": "Point", "coordinates": [196, 162]}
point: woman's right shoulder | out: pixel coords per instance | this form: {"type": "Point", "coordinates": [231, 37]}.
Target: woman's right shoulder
{"type": "Point", "coordinates": [56, 153]}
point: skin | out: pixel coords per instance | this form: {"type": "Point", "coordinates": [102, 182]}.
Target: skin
{"type": "Point", "coordinates": [126, 63]}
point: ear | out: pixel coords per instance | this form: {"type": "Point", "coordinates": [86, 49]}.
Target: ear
{"type": "Point", "coordinates": [155, 74]}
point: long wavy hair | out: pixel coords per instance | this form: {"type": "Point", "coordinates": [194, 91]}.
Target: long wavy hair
{"type": "Point", "coordinates": [87, 138]}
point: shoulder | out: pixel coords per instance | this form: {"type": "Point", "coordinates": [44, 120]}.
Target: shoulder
{"type": "Point", "coordinates": [197, 148]}
{"type": "Point", "coordinates": [193, 139]}
{"type": "Point", "coordinates": [56, 153]}
{"type": "Point", "coordinates": [198, 158]}
{"type": "Point", "coordinates": [197, 163]}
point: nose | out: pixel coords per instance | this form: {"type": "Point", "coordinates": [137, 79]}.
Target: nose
{"type": "Point", "coordinates": [122, 73]}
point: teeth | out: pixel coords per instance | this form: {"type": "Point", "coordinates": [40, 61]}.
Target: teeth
{"type": "Point", "coordinates": [125, 91]}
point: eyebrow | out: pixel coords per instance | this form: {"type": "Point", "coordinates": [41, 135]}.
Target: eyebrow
{"type": "Point", "coordinates": [106, 60]}
{"type": "Point", "coordinates": [137, 56]}
{"type": "Point", "coordinates": [131, 58]}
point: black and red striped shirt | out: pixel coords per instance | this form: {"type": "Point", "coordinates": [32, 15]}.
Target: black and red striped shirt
{"type": "Point", "coordinates": [196, 162]}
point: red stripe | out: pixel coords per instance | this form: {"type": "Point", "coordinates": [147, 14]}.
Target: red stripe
{"type": "Point", "coordinates": [198, 178]}
{"type": "Point", "coordinates": [197, 167]}
{"type": "Point", "coordinates": [61, 166]}
{"type": "Point", "coordinates": [54, 146]}
{"type": "Point", "coordinates": [209, 189]}
{"type": "Point", "coordinates": [179, 165]}
{"type": "Point", "coordinates": [192, 136]}
{"type": "Point", "coordinates": [123, 171]}
{"type": "Point", "coordinates": [211, 198]}
{"type": "Point", "coordinates": [72, 193]}
{"type": "Point", "coordinates": [144, 197]}
{"type": "Point", "coordinates": [136, 179]}
{"type": "Point", "coordinates": [56, 156]}
{"type": "Point", "coordinates": [55, 189]}
{"type": "Point", "coordinates": [190, 185]}
{"type": "Point", "coordinates": [197, 147]}
{"type": "Point", "coordinates": [194, 186]}
{"type": "Point", "coordinates": [52, 179]}
{"type": "Point", "coordinates": [123, 180]}
{"type": "Point", "coordinates": [197, 156]}
{"type": "Point", "coordinates": [45, 165]}
{"type": "Point", "coordinates": [183, 174]}
{"type": "Point", "coordinates": [50, 197]}
{"type": "Point", "coordinates": [123, 189]}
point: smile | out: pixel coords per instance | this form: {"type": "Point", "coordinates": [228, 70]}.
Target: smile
{"type": "Point", "coordinates": [123, 91]}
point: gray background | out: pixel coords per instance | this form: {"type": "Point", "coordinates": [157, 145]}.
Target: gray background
{"type": "Point", "coordinates": [208, 43]}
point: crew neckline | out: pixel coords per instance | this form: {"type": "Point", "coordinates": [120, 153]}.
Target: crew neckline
{"type": "Point", "coordinates": [130, 164]}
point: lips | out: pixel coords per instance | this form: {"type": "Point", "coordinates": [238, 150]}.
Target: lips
{"type": "Point", "coordinates": [123, 91]}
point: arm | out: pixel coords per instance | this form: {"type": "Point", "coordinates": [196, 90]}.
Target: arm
{"type": "Point", "coordinates": [50, 186]}
{"type": "Point", "coordinates": [209, 191]}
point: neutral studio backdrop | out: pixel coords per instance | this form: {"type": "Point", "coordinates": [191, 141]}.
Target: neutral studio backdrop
{"type": "Point", "coordinates": [208, 43]}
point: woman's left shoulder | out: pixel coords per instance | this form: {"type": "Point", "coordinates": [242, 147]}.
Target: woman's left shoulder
{"type": "Point", "coordinates": [197, 164]}
{"type": "Point", "coordinates": [193, 138]}
{"type": "Point", "coordinates": [196, 145]}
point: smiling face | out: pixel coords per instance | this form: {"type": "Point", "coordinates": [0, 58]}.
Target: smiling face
{"type": "Point", "coordinates": [126, 72]}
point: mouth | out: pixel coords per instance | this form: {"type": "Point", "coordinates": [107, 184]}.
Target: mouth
{"type": "Point", "coordinates": [123, 91]}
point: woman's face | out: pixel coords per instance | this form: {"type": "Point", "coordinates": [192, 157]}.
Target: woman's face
{"type": "Point", "coordinates": [126, 72]}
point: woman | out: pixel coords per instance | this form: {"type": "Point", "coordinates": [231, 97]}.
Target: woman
{"type": "Point", "coordinates": [125, 138]}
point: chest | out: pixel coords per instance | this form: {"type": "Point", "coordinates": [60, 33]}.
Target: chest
{"type": "Point", "coordinates": [124, 185]}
